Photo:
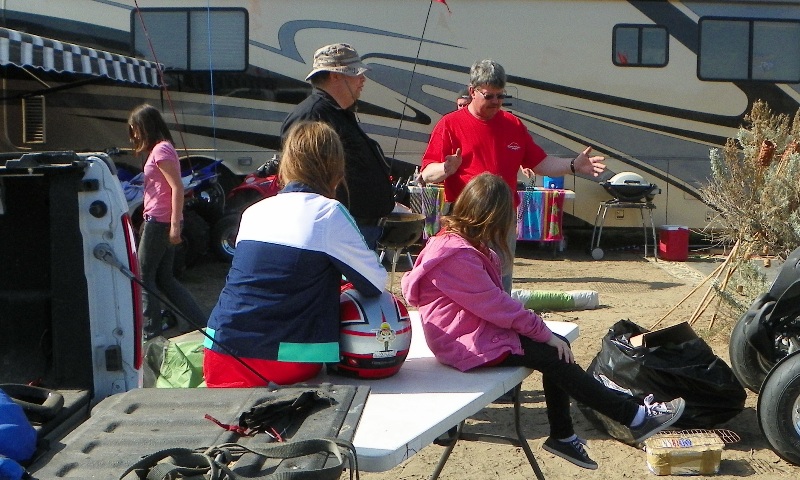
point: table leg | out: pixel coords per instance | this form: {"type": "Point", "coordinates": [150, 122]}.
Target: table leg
{"type": "Point", "coordinates": [520, 441]}
{"type": "Point", "coordinates": [523, 442]}
{"type": "Point", "coordinates": [448, 449]}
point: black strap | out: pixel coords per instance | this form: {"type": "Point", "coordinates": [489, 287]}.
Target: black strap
{"type": "Point", "coordinates": [213, 463]}
{"type": "Point", "coordinates": [277, 414]}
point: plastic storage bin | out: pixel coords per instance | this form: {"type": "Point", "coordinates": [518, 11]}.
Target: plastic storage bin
{"type": "Point", "coordinates": [673, 243]}
{"type": "Point", "coordinates": [553, 182]}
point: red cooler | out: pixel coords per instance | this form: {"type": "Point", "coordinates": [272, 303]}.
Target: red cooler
{"type": "Point", "coordinates": [673, 243]}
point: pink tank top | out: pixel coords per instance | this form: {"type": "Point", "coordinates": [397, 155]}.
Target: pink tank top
{"type": "Point", "coordinates": [157, 191]}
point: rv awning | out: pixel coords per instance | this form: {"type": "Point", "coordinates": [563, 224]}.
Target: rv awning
{"type": "Point", "coordinates": [26, 50]}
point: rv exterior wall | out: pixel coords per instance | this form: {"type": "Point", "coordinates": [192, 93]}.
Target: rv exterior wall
{"type": "Point", "coordinates": [573, 77]}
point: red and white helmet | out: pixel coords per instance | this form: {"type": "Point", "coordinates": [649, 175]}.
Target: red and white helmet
{"type": "Point", "coordinates": [375, 335]}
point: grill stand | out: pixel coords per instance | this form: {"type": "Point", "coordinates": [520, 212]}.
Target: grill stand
{"type": "Point", "coordinates": [600, 218]}
{"type": "Point", "coordinates": [396, 252]}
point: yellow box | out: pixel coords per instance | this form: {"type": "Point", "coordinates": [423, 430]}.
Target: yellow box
{"type": "Point", "coordinates": [682, 453]}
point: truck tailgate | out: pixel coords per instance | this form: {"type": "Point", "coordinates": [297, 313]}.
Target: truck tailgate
{"type": "Point", "coordinates": [125, 427]}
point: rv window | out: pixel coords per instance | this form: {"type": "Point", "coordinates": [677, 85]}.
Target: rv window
{"type": "Point", "coordinates": [181, 40]}
{"type": "Point", "coordinates": [640, 46]}
{"type": "Point", "coordinates": [736, 49]}
{"type": "Point", "coordinates": [776, 51]}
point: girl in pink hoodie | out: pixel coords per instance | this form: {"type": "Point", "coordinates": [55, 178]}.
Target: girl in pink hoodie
{"type": "Point", "coordinates": [469, 321]}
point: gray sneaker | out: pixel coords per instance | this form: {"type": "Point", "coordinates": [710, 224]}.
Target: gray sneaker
{"type": "Point", "coordinates": [572, 451]}
{"type": "Point", "coordinates": [657, 417]}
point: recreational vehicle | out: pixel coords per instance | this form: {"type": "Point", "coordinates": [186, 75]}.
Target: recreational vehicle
{"type": "Point", "coordinates": [652, 86]}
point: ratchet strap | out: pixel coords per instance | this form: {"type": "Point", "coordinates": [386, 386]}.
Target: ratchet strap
{"type": "Point", "coordinates": [214, 463]}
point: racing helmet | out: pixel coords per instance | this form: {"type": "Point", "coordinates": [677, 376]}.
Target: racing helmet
{"type": "Point", "coordinates": [374, 336]}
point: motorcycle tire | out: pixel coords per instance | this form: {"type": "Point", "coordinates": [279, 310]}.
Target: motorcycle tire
{"type": "Point", "coordinates": [223, 236]}
{"type": "Point", "coordinates": [779, 409]}
{"type": "Point", "coordinates": [749, 366]}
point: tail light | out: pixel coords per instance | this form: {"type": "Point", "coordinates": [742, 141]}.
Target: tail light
{"type": "Point", "coordinates": [136, 290]}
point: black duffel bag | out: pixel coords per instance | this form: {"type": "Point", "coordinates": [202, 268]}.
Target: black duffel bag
{"type": "Point", "coordinates": [687, 369]}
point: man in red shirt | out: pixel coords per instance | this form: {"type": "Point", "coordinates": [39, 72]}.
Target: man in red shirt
{"type": "Point", "coordinates": [484, 138]}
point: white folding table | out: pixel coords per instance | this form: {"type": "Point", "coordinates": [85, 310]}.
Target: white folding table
{"type": "Point", "coordinates": [425, 399]}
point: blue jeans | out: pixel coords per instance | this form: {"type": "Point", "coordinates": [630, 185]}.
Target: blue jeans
{"type": "Point", "coordinates": [156, 261]}
{"type": "Point", "coordinates": [562, 380]}
{"type": "Point", "coordinates": [371, 235]}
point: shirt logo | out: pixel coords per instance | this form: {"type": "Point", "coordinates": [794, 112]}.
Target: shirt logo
{"type": "Point", "coordinates": [514, 146]}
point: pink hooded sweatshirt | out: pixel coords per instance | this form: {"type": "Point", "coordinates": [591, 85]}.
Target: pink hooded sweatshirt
{"type": "Point", "coordinates": [467, 318]}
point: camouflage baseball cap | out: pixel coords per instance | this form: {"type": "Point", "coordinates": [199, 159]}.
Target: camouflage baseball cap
{"type": "Point", "coordinates": [338, 58]}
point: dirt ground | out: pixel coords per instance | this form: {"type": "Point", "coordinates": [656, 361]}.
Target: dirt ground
{"type": "Point", "coordinates": [629, 287]}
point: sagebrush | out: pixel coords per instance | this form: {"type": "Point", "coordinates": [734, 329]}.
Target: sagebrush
{"type": "Point", "coordinates": [755, 185]}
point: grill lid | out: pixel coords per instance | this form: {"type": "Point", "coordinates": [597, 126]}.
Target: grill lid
{"type": "Point", "coordinates": [630, 187]}
{"type": "Point", "coordinates": [627, 178]}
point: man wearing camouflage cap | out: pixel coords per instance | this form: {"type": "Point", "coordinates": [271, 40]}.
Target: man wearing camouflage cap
{"type": "Point", "coordinates": [337, 79]}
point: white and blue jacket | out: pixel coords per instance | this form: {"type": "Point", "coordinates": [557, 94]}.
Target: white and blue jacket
{"type": "Point", "coordinates": [281, 296]}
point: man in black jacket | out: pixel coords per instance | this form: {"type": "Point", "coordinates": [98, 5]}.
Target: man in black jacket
{"type": "Point", "coordinates": [337, 79]}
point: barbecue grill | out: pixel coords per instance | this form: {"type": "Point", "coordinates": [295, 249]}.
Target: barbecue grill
{"type": "Point", "coordinates": [400, 231]}
{"type": "Point", "coordinates": [630, 187]}
{"type": "Point", "coordinates": [629, 190]}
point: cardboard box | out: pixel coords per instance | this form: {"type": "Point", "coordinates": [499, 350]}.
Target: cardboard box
{"type": "Point", "coordinates": [684, 453]}
{"type": "Point", "coordinates": [679, 333]}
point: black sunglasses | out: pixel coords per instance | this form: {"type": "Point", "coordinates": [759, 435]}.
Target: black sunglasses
{"type": "Point", "coordinates": [493, 96]}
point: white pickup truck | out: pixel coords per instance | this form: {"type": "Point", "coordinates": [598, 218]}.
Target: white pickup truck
{"type": "Point", "coordinates": [67, 319]}
{"type": "Point", "coordinates": [70, 324]}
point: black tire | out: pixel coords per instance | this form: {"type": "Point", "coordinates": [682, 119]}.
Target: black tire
{"type": "Point", "coordinates": [779, 409]}
{"type": "Point", "coordinates": [223, 236]}
{"type": "Point", "coordinates": [179, 266]}
{"type": "Point", "coordinates": [228, 179]}
{"type": "Point", "coordinates": [212, 204]}
{"type": "Point", "coordinates": [241, 200]}
{"type": "Point", "coordinates": [195, 235]}
{"type": "Point", "coordinates": [749, 366]}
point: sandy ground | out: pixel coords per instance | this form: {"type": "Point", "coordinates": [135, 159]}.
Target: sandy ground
{"type": "Point", "coordinates": [630, 287]}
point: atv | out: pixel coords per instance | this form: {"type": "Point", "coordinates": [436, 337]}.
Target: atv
{"type": "Point", "coordinates": [764, 350]}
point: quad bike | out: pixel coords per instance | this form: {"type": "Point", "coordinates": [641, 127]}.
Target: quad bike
{"type": "Point", "coordinates": [258, 185]}
{"type": "Point", "coordinates": [764, 355]}
{"type": "Point", "coordinates": [262, 183]}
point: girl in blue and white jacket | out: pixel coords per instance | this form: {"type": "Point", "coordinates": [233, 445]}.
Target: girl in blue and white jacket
{"type": "Point", "coordinates": [279, 309]}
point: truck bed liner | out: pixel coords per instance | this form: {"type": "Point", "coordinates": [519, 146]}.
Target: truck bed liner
{"type": "Point", "coordinates": [127, 426]}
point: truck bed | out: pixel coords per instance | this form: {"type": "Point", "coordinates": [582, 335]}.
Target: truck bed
{"type": "Point", "coordinates": [127, 426]}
